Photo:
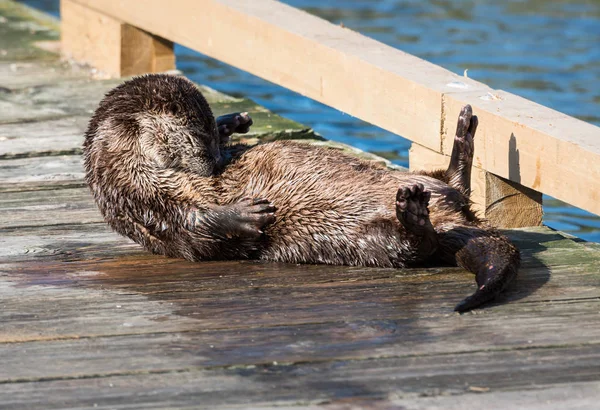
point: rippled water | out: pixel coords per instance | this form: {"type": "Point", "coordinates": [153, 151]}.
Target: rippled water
{"type": "Point", "coordinates": [546, 51]}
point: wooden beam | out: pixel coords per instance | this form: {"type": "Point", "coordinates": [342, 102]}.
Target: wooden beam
{"type": "Point", "coordinates": [503, 203]}
{"type": "Point", "coordinates": [113, 47]}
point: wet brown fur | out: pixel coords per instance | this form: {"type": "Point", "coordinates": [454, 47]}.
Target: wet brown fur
{"type": "Point", "coordinates": [161, 175]}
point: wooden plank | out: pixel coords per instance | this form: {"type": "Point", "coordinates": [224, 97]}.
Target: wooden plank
{"type": "Point", "coordinates": [14, 112]}
{"type": "Point", "coordinates": [41, 170]}
{"type": "Point", "coordinates": [289, 47]}
{"type": "Point", "coordinates": [16, 75]}
{"type": "Point", "coordinates": [141, 52]}
{"type": "Point", "coordinates": [48, 207]}
{"type": "Point", "coordinates": [41, 138]}
{"type": "Point", "coordinates": [160, 338]}
{"type": "Point", "coordinates": [335, 383]}
{"type": "Point", "coordinates": [64, 98]}
{"type": "Point", "coordinates": [91, 38]}
{"type": "Point", "coordinates": [379, 84]}
{"type": "Point", "coordinates": [53, 101]}
{"type": "Point", "coordinates": [505, 204]}
{"type": "Point", "coordinates": [63, 242]}
{"type": "Point", "coordinates": [554, 397]}
{"type": "Point", "coordinates": [511, 205]}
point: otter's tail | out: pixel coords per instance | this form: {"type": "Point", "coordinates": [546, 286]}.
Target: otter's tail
{"type": "Point", "coordinates": [490, 256]}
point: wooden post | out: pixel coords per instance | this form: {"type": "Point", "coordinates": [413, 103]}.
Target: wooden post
{"type": "Point", "coordinates": [111, 46]}
{"type": "Point", "coordinates": [505, 204]}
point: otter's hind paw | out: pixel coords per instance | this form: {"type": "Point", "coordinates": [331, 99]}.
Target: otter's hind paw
{"type": "Point", "coordinates": [411, 209]}
{"type": "Point", "coordinates": [465, 134]}
{"type": "Point", "coordinates": [233, 123]}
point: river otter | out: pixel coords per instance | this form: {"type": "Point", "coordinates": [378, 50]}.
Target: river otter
{"type": "Point", "coordinates": [161, 173]}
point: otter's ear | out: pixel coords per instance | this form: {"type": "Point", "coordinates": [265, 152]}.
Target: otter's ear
{"type": "Point", "coordinates": [175, 108]}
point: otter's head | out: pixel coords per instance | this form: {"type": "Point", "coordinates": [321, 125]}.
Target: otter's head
{"type": "Point", "coordinates": [176, 126]}
{"type": "Point", "coordinates": [159, 121]}
{"type": "Point", "coordinates": [143, 131]}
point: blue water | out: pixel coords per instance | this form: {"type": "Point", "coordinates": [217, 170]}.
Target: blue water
{"type": "Point", "coordinates": [546, 51]}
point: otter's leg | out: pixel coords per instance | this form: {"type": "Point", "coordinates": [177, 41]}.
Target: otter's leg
{"type": "Point", "coordinates": [489, 255]}
{"type": "Point", "coordinates": [458, 174]}
{"type": "Point", "coordinates": [413, 214]}
{"type": "Point", "coordinates": [233, 123]}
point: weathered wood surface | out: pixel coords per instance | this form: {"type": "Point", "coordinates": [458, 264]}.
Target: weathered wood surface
{"type": "Point", "coordinates": [313, 382]}
{"type": "Point", "coordinates": [90, 320]}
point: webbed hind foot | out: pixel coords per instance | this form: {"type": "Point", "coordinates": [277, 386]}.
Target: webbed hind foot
{"type": "Point", "coordinates": [458, 174]}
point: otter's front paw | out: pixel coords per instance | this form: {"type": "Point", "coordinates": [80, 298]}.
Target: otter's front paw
{"type": "Point", "coordinates": [248, 217]}
{"type": "Point", "coordinates": [233, 123]}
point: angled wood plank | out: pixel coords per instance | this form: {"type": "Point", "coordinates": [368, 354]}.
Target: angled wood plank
{"type": "Point", "coordinates": [110, 45]}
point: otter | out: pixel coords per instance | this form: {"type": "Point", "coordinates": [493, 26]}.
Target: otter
{"type": "Point", "coordinates": [163, 173]}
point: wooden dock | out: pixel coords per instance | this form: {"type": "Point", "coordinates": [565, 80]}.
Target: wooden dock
{"type": "Point", "coordinates": [90, 320]}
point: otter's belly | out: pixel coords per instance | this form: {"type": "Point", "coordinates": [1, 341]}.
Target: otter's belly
{"type": "Point", "coordinates": [324, 198]}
